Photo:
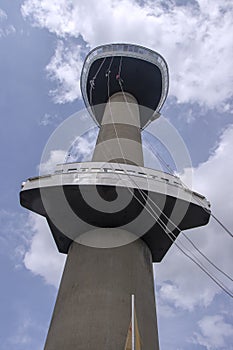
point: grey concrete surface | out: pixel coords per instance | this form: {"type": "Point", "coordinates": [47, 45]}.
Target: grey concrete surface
{"type": "Point", "coordinates": [119, 138]}
{"type": "Point", "coordinates": [93, 307]}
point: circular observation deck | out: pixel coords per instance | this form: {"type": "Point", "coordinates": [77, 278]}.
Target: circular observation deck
{"type": "Point", "coordinates": [80, 197]}
{"type": "Point", "coordinates": [134, 69]}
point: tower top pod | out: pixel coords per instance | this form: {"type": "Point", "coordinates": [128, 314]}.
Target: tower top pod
{"type": "Point", "coordinates": [128, 68]}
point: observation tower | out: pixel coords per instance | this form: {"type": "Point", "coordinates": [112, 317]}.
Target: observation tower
{"type": "Point", "coordinates": [112, 216]}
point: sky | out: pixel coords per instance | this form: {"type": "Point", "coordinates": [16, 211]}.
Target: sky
{"type": "Point", "coordinates": [43, 44]}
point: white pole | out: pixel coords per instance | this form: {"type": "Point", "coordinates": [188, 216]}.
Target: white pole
{"type": "Point", "coordinates": [133, 324]}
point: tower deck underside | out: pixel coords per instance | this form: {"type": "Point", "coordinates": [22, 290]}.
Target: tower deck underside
{"type": "Point", "coordinates": [128, 193]}
{"type": "Point", "coordinates": [141, 79]}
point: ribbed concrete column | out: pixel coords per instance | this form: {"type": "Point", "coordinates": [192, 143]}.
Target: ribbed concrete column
{"type": "Point", "coordinates": [93, 307]}
{"type": "Point", "coordinates": [119, 138]}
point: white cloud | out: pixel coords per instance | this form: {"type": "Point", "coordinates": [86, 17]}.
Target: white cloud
{"type": "Point", "coordinates": [43, 257]}
{"type": "Point", "coordinates": [65, 68]}
{"type": "Point", "coordinates": [181, 282]}
{"type": "Point", "coordinates": [22, 335]}
{"type": "Point", "coordinates": [195, 39]}
{"type": "Point", "coordinates": [25, 332]}
{"type": "Point", "coordinates": [28, 242]}
{"type": "Point", "coordinates": [5, 28]}
{"type": "Point", "coordinates": [55, 157]}
{"type": "Point", "coordinates": [3, 15]}
{"type": "Point", "coordinates": [83, 147]}
{"type": "Point", "coordinates": [214, 332]}
{"type": "Point", "coordinates": [81, 150]}
{"type": "Point", "coordinates": [48, 119]}
{"type": "Point", "coordinates": [14, 236]}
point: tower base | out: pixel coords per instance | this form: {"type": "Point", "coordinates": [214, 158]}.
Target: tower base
{"type": "Point", "coordinates": [93, 307]}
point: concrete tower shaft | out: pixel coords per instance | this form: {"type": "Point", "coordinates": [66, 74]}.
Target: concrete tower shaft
{"type": "Point", "coordinates": [92, 310]}
{"type": "Point", "coordinates": [119, 138]}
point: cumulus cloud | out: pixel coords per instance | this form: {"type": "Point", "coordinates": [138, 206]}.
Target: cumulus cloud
{"type": "Point", "coordinates": [182, 283]}
{"type": "Point", "coordinates": [213, 333]}
{"type": "Point", "coordinates": [48, 119]}
{"type": "Point", "coordinates": [42, 258]}
{"type": "Point", "coordinates": [5, 28]}
{"type": "Point", "coordinates": [55, 157]}
{"type": "Point", "coordinates": [27, 241]}
{"type": "Point", "coordinates": [3, 15]}
{"type": "Point", "coordinates": [65, 68]}
{"type": "Point", "coordinates": [194, 38]}
{"type": "Point", "coordinates": [82, 148]}
{"type": "Point", "coordinates": [14, 236]}
{"type": "Point", "coordinates": [22, 335]}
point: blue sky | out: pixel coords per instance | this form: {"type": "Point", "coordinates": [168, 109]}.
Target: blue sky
{"type": "Point", "coordinates": [42, 47]}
